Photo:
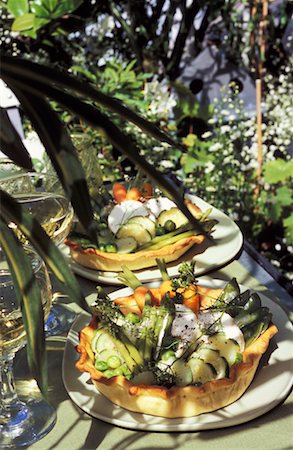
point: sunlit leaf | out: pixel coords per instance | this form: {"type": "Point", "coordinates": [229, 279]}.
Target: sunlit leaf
{"type": "Point", "coordinates": [24, 22]}
{"type": "Point", "coordinates": [18, 7]}
{"type": "Point", "coordinates": [288, 224]}
{"type": "Point", "coordinates": [278, 170]}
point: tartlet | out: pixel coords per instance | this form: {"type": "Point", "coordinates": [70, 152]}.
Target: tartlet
{"type": "Point", "coordinates": [176, 401]}
{"type": "Point", "coordinates": [96, 259]}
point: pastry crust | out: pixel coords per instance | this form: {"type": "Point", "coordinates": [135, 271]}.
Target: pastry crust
{"type": "Point", "coordinates": [175, 401]}
{"type": "Point", "coordinates": [111, 262]}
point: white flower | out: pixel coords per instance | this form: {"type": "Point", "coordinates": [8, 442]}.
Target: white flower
{"type": "Point", "coordinates": [225, 128]}
{"type": "Point", "coordinates": [215, 147]}
{"type": "Point", "coordinates": [166, 164]}
{"type": "Point", "coordinates": [207, 134]}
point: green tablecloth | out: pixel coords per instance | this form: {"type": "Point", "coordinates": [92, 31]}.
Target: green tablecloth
{"type": "Point", "coordinates": [76, 430]}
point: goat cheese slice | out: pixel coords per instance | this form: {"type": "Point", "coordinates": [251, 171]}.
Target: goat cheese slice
{"type": "Point", "coordinates": [219, 321]}
{"type": "Point", "coordinates": [156, 205]}
{"type": "Point", "coordinates": [122, 212]}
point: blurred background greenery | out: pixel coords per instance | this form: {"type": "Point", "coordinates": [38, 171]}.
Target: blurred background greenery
{"type": "Point", "coordinates": [138, 52]}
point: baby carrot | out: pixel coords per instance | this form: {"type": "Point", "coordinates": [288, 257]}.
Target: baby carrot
{"type": "Point", "coordinates": [128, 305]}
{"type": "Point", "coordinates": [139, 295]}
{"type": "Point", "coordinates": [133, 194]}
{"type": "Point", "coordinates": [119, 192]}
{"type": "Point", "coordinates": [147, 190]}
{"type": "Point", "coordinates": [191, 299]}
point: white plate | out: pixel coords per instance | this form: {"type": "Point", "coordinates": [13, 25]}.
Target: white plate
{"type": "Point", "coordinates": [228, 241]}
{"type": "Point", "coordinates": [271, 385]}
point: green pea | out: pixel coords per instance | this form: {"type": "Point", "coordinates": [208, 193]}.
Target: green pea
{"type": "Point", "coordinates": [168, 354]}
{"type": "Point", "coordinates": [133, 318]}
{"type": "Point", "coordinates": [169, 225]}
{"type": "Point", "coordinates": [160, 230]}
{"type": "Point", "coordinates": [111, 248]}
{"type": "Point", "coordinates": [114, 362]}
{"type": "Point", "coordinates": [118, 371]}
{"type": "Point", "coordinates": [101, 366]}
{"type": "Point", "coordinates": [108, 373]}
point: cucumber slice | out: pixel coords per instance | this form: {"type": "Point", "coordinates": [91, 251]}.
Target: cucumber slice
{"type": "Point", "coordinates": [228, 348]}
{"type": "Point", "coordinates": [212, 356]}
{"type": "Point", "coordinates": [201, 371]}
{"type": "Point", "coordinates": [126, 245]}
{"type": "Point", "coordinates": [173, 214]}
{"type": "Point", "coordinates": [146, 222]}
{"type": "Point", "coordinates": [135, 230]}
{"type": "Point", "coordinates": [182, 372]}
{"type": "Point", "coordinates": [105, 354]}
{"type": "Point", "coordinates": [104, 341]}
{"type": "Point", "coordinates": [95, 339]}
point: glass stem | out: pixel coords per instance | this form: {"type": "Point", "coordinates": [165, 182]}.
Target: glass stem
{"type": "Point", "coordinates": [10, 405]}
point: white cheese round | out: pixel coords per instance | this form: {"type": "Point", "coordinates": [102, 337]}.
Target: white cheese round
{"type": "Point", "coordinates": [156, 205]}
{"type": "Point", "coordinates": [122, 212]}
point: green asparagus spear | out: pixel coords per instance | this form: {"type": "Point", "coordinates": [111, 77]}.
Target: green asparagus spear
{"type": "Point", "coordinates": [237, 304]}
{"type": "Point", "coordinates": [109, 314]}
{"type": "Point", "coordinates": [229, 293]}
{"type": "Point", "coordinates": [149, 335]}
{"type": "Point", "coordinates": [161, 263]}
{"type": "Point", "coordinates": [129, 278]}
{"type": "Point", "coordinates": [253, 303]}
{"type": "Point", "coordinates": [247, 318]}
{"type": "Point", "coordinates": [165, 316]}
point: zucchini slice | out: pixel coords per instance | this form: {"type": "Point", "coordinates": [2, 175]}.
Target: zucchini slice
{"type": "Point", "coordinates": [146, 222]}
{"type": "Point", "coordinates": [126, 245]}
{"type": "Point", "coordinates": [201, 371]}
{"type": "Point", "coordinates": [173, 214]}
{"type": "Point", "coordinates": [103, 341]}
{"type": "Point", "coordinates": [228, 348]}
{"type": "Point", "coordinates": [212, 356]}
{"type": "Point", "coordinates": [135, 230]}
{"type": "Point", "coordinates": [97, 335]}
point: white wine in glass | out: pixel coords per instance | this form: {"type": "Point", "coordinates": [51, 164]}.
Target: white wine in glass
{"type": "Point", "coordinates": [42, 195]}
{"type": "Point", "coordinates": [52, 211]}
{"type": "Point", "coordinates": [21, 422]}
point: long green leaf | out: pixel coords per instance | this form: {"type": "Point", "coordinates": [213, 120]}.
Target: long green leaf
{"type": "Point", "coordinates": [16, 213]}
{"type": "Point", "coordinates": [62, 153]}
{"type": "Point", "coordinates": [96, 119]}
{"type": "Point", "coordinates": [11, 144]}
{"type": "Point", "coordinates": [29, 299]}
{"type": "Point", "coordinates": [47, 76]}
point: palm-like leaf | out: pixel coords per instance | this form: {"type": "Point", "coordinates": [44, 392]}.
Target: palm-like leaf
{"type": "Point", "coordinates": [96, 119]}
{"type": "Point", "coordinates": [11, 144]}
{"type": "Point", "coordinates": [47, 76]}
{"type": "Point", "coordinates": [61, 151]}
{"type": "Point", "coordinates": [32, 83]}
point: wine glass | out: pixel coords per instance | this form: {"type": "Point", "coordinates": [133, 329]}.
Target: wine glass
{"type": "Point", "coordinates": [43, 197]}
{"type": "Point", "coordinates": [28, 419]}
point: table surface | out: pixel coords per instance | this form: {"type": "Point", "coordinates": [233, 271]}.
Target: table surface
{"type": "Point", "coordinates": [77, 430]}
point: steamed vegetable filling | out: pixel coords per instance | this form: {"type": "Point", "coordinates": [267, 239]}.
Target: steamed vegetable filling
{"type": "Point", "coordinates": [140, 223]}
{"type": "Point", "coordinates": [170, 343]}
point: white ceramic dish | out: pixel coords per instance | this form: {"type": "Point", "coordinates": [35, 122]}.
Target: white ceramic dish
{"type": "Point", "coordinates": [228, 241]}
{"type": "Point", "coordinates": [271, 385]}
